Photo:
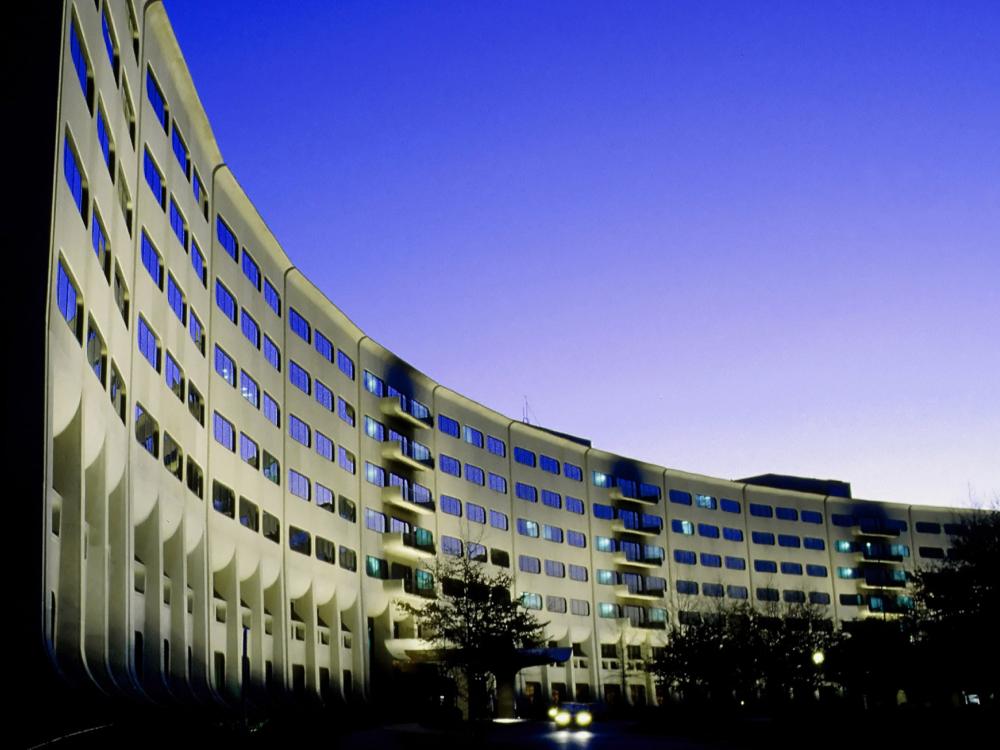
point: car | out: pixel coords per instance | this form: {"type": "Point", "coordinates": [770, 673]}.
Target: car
{"type": "Point", "coordinates": [572, 715]}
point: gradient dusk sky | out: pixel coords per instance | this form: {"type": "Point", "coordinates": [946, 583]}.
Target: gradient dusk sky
{"type": "Point", "coordinates": [726, 237]}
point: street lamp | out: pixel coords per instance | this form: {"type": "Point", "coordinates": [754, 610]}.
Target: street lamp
{"type": "Point", "coordinates": [818, 658]}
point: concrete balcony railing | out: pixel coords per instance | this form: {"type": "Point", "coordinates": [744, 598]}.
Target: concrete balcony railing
{"type": "Point", "coordinates": [393, 407]}
{"type": "Point", "coordinates": [651, 595]}
{"type": "Point", "coordinates": [404, 454]}
{"type": "Point", "coordinates": [620, 527]}
{"type": "Point", "coordinates": [637, 562]}
{"type": "Point", "coordinates": [401, 497]}
{"type": "Point", "coordinates": [406, 588]}
{"type": "Point", "coordinates": [616, 495]}
{"type": "Point", "coordinates": [406, 545]}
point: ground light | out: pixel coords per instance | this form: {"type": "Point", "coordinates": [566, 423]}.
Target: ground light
{"type": "Point", "coordinates": [818, 658]}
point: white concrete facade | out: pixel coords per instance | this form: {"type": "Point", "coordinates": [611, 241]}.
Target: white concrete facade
{"type": "Point", "coordinates": [165, 542]}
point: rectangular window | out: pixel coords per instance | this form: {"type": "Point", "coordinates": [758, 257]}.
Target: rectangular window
{"type": "Point", "coordinates": [299, 377]}
{"type": "Point", "coordinates": [97, 354]}
{"type": "Point", "coordinates": [272, 353]}
{"type": "Point", "coordinates": [299, 541]}
{"type": "Point", "coordinates": [299, 325]}
{"type": "Point", "coordinates": [149, 344]}
{"type": "Point", "coordinates": [577, 572]}
{"type": "Point", "coordinates": [249, 389]}
{"type": "Point", "coordinates": [251, 270]}
{"type": "Point", "coordinates": [498, 520]}
{"type": "Point", "coordinates": [324, 498]}
{"type": "Point", "coordinates": [223, 499]}
{"type": "Point", "coordinates": [732, 535]}
{"type": "Point", "coordinates": [552, 533]}
{"type": "Point", "coordinates": [475, 513]}
{"type": "Point", "coordinates": [249, 451]}
{"type": "Point", "coordinates": [324, 446]}
{"type": "Point", "coordinates": [786, 514]}
{"type": "Point", "coordinates": [249, 515]}
{"type": "Point", "coordinates": [323, 346]}
{"type": "Point", "coordinates": [151, 260]}
{"type": "Point", "coordinates": [374, 429]}
{"type": "Point", "coordinates": [708, 530]}
{"type": "Point", "coordinates": [685, 557]}
{"type": "Point", "coordinates": [69, 302]}
{"type": "Point", "coordinates": [324, 396]}
{"type": "Point", "coordinates": [602, 511]}
{"type": "Point", "coordinates": [225, 301]}
{"type": "Point", "coordinates": [762, 537]}
{"type": "Point", "coordinates": [496, 446]}
{"type": "Point", "coordinates": [736, 563]}
{"type": "Point", "coordinates": [272, 298]}
{"type": "Point", "coordinates": [451, 505]}
{"type": "Point", "coordinates": [450, 465]}
{"type": "Point", "coordinates": [529, 564]}
{"type": "Point", "coordinates": [298, 484]}
{"type": "Point", "coordinates": [270, 468]}
{"type": "Point", "coordinates": [299, 431]}
{"type": "Point", "coordinates": [345, 364]}
{"type": "Point", "coordinates": [765, 566]}
{"type": "Point", "coordinates": [451, 546]}
{"type": "Point", "coordinates": [345, 411]}
{"type": "Point", "coordinates": [572, 471]}
{"type": "Point", "coordinates": [788, 540]}
{"type": "Point", "coordinates": [816, 571]}
{"type": "Point", "coordinates": [225, 366]}
{"type": "Point", "coordinates": [811, 516]}
{"type": "Point", "coordinates": [574, 505]}
{"type": "Point", "coordinates": [476, 552]}
{"type": "Point", "coordinates": [473, 436]}
{"type": "Point", "coordinates": [181, 151]}
{"type": "Point", "coordinates": [736, 592]}
{"type": "Point", "coordinates": [526, 527]}
{"type": "Point", "coordinates": [198, 191]}
{"type": "Point", "coordinates": [448, 426]}
{"type": "Point", "coordinates": [576, 538]}
{"type": "Point", "coordinates": [124, 200]}
{"type": "Point", "coordinates": [156, 99]}
{"type": "Point", "coordinates": [346, 460]}
{"type": "Point", "coordinates": [198, 264]}
{"type": "Point", "coordinates": [551, 499]}
{"type": "Point", "coordinates": [524, 456]}
{"type": "Point", "coordinates": [271, 411]}
{"type": "Point", "coordinates": [223, 431]}
{"type": "Point", "coordinates": [526, 491]}
{"type": "Point", "coordinates": [226, 237]}
{"type": "Point", "coordinates": [178, 224]}
{"type": "Point", "coordinates": [761, 511]}
{"type": "Point", "coordinates": [791, 568]}
{"type": "Point", "coordinates": [680, 498]}
{"type": "Point", "coordinates": [175, 298]}
{"type": "Point", "coordinates": [547, 463]}
{"type": "Point", "coordinates": [81, 64]}
{"type": "Point", "coordinates": [705, 501]}
{"type": "Point", "coordinates": [105, 142]}
{"type": "Point", "coordinates": [475, 475]}
{"type": "Point", "coordinates": [196, 404]}
{"type": "Point", "coordinates": [99, 241]}
{"type": "Point", "coordinates": [110, 43]}
{"type": "Point", "coordinates": [174, 376]}
{"type": "Point", "coordinates": [729, 506]}
{"type": "Point", "coordinates": [154, 178]}
{"type": "Point", "coordinates": [497, 483]}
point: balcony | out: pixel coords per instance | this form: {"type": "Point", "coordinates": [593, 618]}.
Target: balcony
{"type": "Point", "coordinates": [403, 453]}
{"type": "Point", "coordinates": [652, 595]}
{"type": "Point", "coordinates": [616, 495]}
{"type": "Point", "coordinates": [394, 408]}
{"type": "Point", "coordinates": [406, 588]}
{"type": "Point", "coordinates": [408, 545]}
{"type": "Point", "coordinates": [403, 497]}
{"type": "Point", "coordinates": [640, 529]}
{"type": "Point", "coordinates": [637, 561]}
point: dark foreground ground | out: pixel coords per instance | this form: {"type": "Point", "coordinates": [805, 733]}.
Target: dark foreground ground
{"type": "Point", "coordinates": [675, 728]}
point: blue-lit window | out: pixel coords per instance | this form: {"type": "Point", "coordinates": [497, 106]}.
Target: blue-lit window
{"type": "Point", "coordinates": [345, 411]}
{"type": "Point", "coordinates": [272, 298]}
{"type": "Point", "coordinates": [475, 513]}
{"type": "Point", "coordinates": [767, 594]}
{"type": "Point", "coordinates": [110, 44]}
{"type": "Point", "coordinates": [812, 516]}
{"type": "Point", "coordinates": [197, 331]}
{"type": "Point", "coordinates": [99, 241]}
{"type": "Point", "coordinates": [762, 537]}
{"type": "Point", "coordinates": [324, 396]}
{"type": "Point", "coordinates": [577, 572]}
{"type": "Point", "coordinates": [848, 573]}
{"type": "Point", "coordinates": [178, 224]}
{"type": "Point", "coordinates": [607, 610]}
{"type": "Point", "coordinates": [250, 329]}
{"type": "Point", "coordinates": [174, 376]}
{"type": "Point", "coordinates": [600, 479]}
{"type": "Point", "coordinates": [576, 538]}
{"type": "Point", "coordinates": [602, 511]}
{"type": "Point", "coordinates": [552, 533]}
{"type": "Point", "coordinates": [271, 410]}
{"type": "Point", "coordinates": [765, 566]}
{"type": "Point", "coordinates": [225, 301]}
{"type": "Point", "coordinates": [374, 474]}
{"type": "Point", "coordinates": [149, 344]}
{"type": "Point", "coordinates": [450, 465]}
{"type": "Point", "coordinates": [789, 540]}
{"type": "Point", "coordinates": [552, 499]}
{"type": "Point", "coordinates": [574, 504]}
{"type": "Point", "coordinates": [324, 347]}
{"type": "Point", "coordinates": [793, 597]}
{"type": "Point", "coordinates": [198, 190]}
{"type": "Point", "coordinates": [249, 389]}
{"type": "Point", "coordinates": [761, 511]}
{"type": "Point", "coordinates": [154, 178]}
{"type": "Point", "coordinates": [710, 560]}
{"type": "Point", "coordinates": [74, 178]}
{"type": "Point", "coordinates": [604, 544]}
{"type": "Point", "coordinates": [729, 506]}
{"type": "Point", "coordinates": [496, 446]}
{"type": "Point", "coordinates": [791, 568]}
{"type": "Point", "coordinates": [298, 484]}
{"type": "Point", "coordinates": [547, 463]}
{"type": "Point", "coordinates": [476, 552]}
{"type": "Point", "coordinates": [249, 451]}
{"type": "Point", "coordinates": [475, 475]}
{"type": "Point", "coordinates": [151, 260]}
{"type": "Point", "coordinates": [104, 139]}
{"type": "Point", "coordinates": [736, 592]}
{"type": "Point", "coordinates": [526, 491]}
{"type": "Point", "coordinates": [324, 446]}
{"type": "Point", "coordinates": [451, 546]}
{"type": "Point", "coordinates": [498, 520]}
{"type": "Point", "coordinates": [705, 501]}
{"type": "Point", "coordinates": [448, 426]}
{"type": "Point", "coordinates": [450, 505]}
{"type": "Point", "coordinates": [373, 384]}
{"type": "Point", "coordinates": [250, 269]}
{"type": "Point", "coordinates": [299, 325]}
{"type": "Point", "coordinates": [374, 429]}
{"type": "Point", "coordinates": [226, 238]}
{"type": "Point", "coordinates": [842, 519]}
{"type": "Point", "coordinates": [816, 571]}
{"type": "Point", "coordinates": [68, 301]}
{"type": "Point", "coordinates": [814, 543]}
{"type": "Point", "coordinates": [180, 151]}
{"type": "Point", "coordinates": [147, 431]}
{"type": "Point", "coordinates": [845, 545]}
{"type": "Point", "coordinates": [819, 597]}
{"type": "Point", "coordinates": [198, 263]}
{"type": "Point", "coordinates": [156, 99]}
{"type": "Point", "coordinates": [526, 527]}
{"type": "Point", "coordinates": [679, 526]}
{"type": "Point", "coordinates": [299, 377]}
{"type": "Point", "coordinates": [685, 557]}
{"type": "Point", "coordinates": [299, 430]}
{"type": "Point", "coordinates": [555, 569]}
{"type": "Point", "coordinates": [786, 514]}
{"type": "Point", "coordinates": [175, 298]}
{"type": "Point", "coordinates": [81, 65]}
{"type": "Point", "coordinates": [473, 436]}
{"type": "Point", "coordinates": [324, 499]}
{"type": "Point", "coordinates": [715, 590]}
{"type": "Point", "coordinates": [497, 483]}
{"type": "Point", "coordinates": [529, 564]}
{"type": "Point", "coordinates": [735, 563]}
{"type": "Point", "coordinates": [687, 587]}
{"type": "Point", "coordinates": [524, 456]}
{"type": "Point", "coordinates": [224, 432]}
{"type": "Point", "coordinates": [732, 535]}
{"type": "Point", "coordinates": [680, 498]}
{"type": "Point", "coordinates": [225, 366]}
{"type": "Point", "coordinates": [708, 530]}
{"type": "Point", "coordinates": [926, 527]}
{"type": "Point", "coordinates": [271, 353]}
{"type": "Point", "coordinates": [345, 364]}
{"type": "Point", "coordinates": [572, 471]}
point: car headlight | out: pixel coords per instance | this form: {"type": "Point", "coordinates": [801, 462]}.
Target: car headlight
{"type": "Point", "coordinates": [563, 718]}
{"type": "Point", "coordinates": [584, 718]}
{"type": "Point", "coordinates": [552, 712]}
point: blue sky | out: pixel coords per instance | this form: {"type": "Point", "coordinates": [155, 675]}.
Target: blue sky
{"type": "Point", "coordinates": [729, 238]}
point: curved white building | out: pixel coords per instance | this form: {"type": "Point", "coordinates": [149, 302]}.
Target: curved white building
{"type": "Point", "coordinates": [230, 462]}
